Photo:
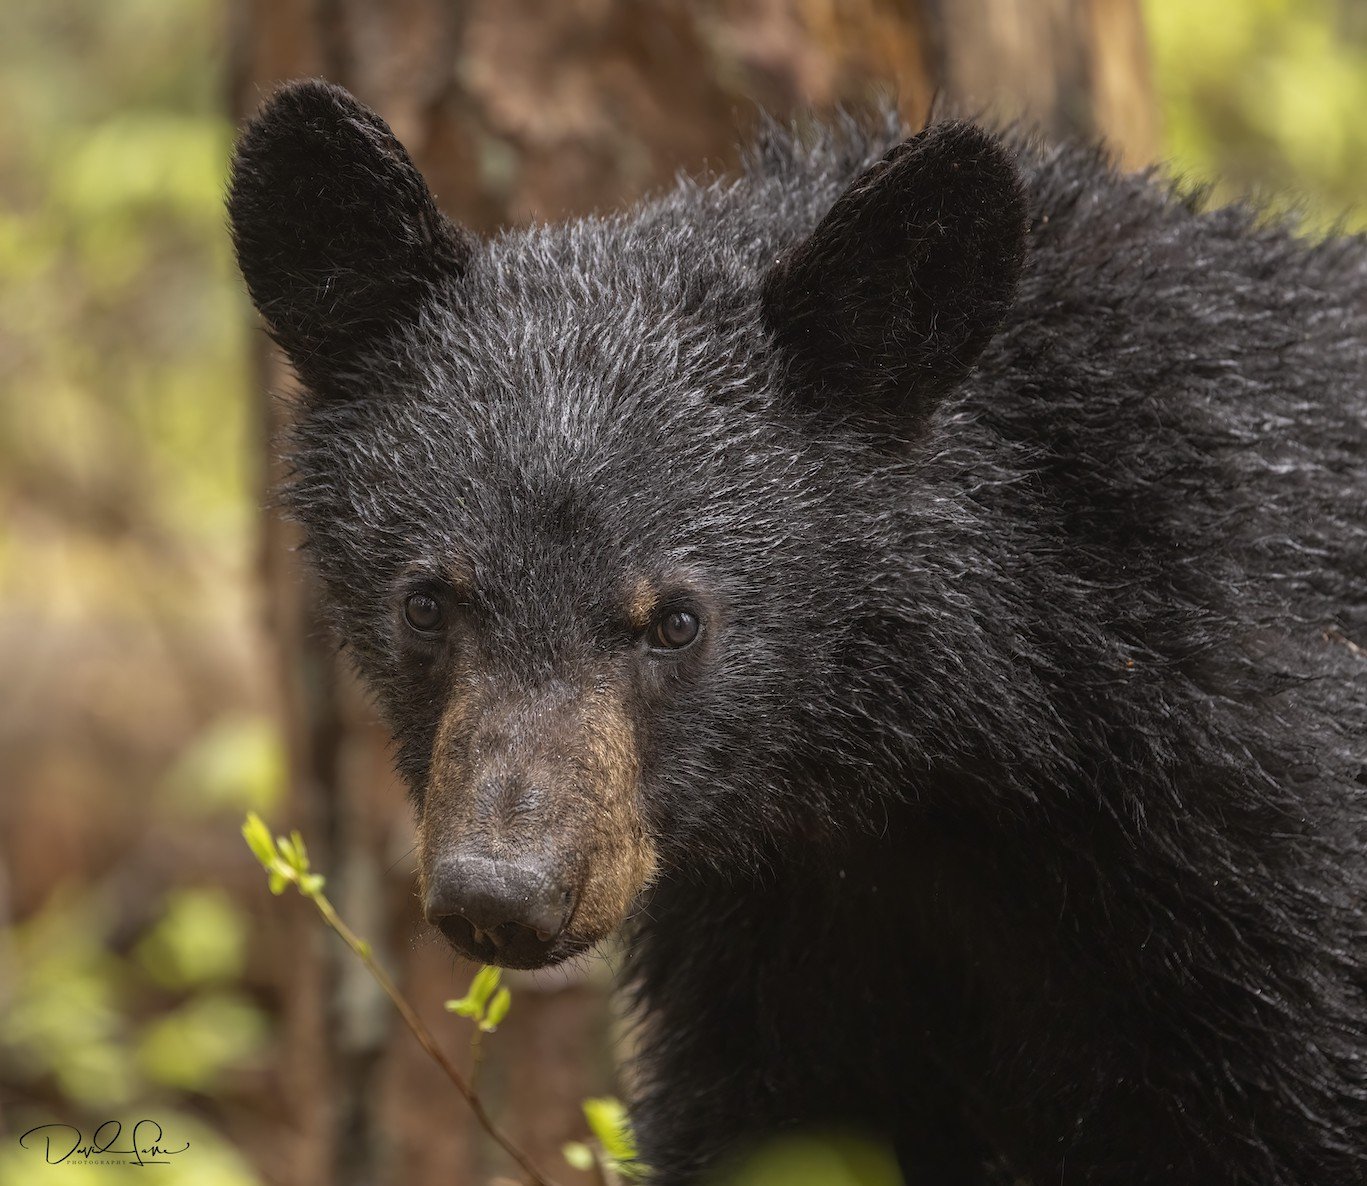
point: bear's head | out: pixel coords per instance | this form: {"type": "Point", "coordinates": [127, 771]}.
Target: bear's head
{"type": "Point", "coordinates": [595, 507]}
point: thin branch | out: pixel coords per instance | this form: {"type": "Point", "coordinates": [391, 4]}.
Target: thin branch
{"type": "Point", "coordinates": [427, 1041]}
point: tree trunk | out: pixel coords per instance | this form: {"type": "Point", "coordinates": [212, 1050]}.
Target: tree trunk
{"type": "Point", "coordinates": [519, 110]}
{"type": "Point", "coordinates": [1073, 67]}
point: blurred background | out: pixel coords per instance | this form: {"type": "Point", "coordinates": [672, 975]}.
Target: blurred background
{"type": "Point", "coordinates": [162, 671]}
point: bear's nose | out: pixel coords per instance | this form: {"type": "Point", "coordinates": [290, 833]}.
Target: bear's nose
{"type": "Point", "coordinates": [502, 902]}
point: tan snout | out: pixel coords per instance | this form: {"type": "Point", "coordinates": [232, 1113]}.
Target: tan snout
{"type": "Point", "coordinates": [532, 846]}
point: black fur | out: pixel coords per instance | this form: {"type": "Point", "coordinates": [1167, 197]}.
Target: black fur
{"type": "Point", "coordinates": [1014, 806]}
{"type": "Point", "coordinates": [890, 300]}
{"type": "Point", "coordinates": [336, 231]}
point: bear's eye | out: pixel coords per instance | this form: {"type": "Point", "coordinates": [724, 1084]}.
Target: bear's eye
{"type": "Point", "coordinates": [675, 630]}
{"type": "Point", "coordinates": [422, 612]}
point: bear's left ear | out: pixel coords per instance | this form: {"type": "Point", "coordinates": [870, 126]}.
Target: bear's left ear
{"type": "Point", "coordinates": [889, 301]}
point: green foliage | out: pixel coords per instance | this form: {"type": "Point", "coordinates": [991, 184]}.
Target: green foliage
{"type": "Point", "coordinates": [1267, 95]}
{"type": "Point", "coordinates": [128, 470]}
{"type": "Point", "coordinates": [200, 940]}
{"type": "Point", "coordinates": [286, 861]}
{"type": "Point", "coordinates": [66, 1019]}
{"type": "Point", "coordinates": [473, 1003]}
{"type": "Point", "coordinates": [609, 1123]}
{"type": "Point", "coordinates": [578, 1155]}
{"type": "Point", "coordinates": [72, 1018]}
{"type": "Point", "coordinates": [236, 763]}
{"type": "Point", "coordinates": [498, 1010]}
{"type": "Point", "coordinates": [613, 1144]}
{"type": "Point", "coordinates": [485, 1003]}
{"type": "Point", "coordinates": [258, 838]}
{"type": "Point", "coordinates": [124, 385]}
{"type": "Point", "coordinates": [194, 1046]}
{"type": "Point", "coordinates": [814, 1160]}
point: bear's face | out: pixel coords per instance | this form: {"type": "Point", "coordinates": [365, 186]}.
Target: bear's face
{"type": "Point", "coordinates": [578, 583]}
{"type": "Point", "coordinates": [582, 499]}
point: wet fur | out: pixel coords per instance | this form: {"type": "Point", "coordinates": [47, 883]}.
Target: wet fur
{"type": "Point", "coordinates": [1013, 805]}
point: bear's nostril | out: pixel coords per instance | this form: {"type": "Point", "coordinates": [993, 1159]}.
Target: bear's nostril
{"type": "Point", "coordinates": [546, 918]}
{"type": "Point", "coordinates": [510, 932]}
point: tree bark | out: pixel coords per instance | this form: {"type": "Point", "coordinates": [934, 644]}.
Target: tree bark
{"type": "Point", "coordinates": [1070, 67]}
{"type": "Point", "coordinates": [519, 110]}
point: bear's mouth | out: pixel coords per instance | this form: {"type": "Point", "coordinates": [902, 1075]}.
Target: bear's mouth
{"type": "Point", "coordinates": [510, 945]}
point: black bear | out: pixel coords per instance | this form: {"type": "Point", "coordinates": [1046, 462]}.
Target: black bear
{"type": "Point", "coordinates": [916, 590]}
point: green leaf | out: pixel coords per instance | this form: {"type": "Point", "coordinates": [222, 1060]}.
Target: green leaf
{"type": "Point", "coordinates": [609, 1122]}
{"type": "Point", "coordinates": [301, 854]}
{"type": "Point", "coordinates": [578, 1154]}
{"type": "Point", "coordinates": [476, 1000]}
{"type": "Point", "coordinates": [498, 1010]}
{"type": "Point", "coordinates": [278, 882]}
{"type": "Point", "coordinates": [258, 838]}
{"type": "Point", "coordinates": [483, 985]}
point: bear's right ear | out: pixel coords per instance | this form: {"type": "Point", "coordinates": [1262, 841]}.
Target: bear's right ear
{"type": "Point", "coordinates": [889, 301]}
{"type": "Point", "coordinates": [337, 234]}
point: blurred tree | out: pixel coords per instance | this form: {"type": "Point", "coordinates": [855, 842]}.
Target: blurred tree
{"type": "Point", "coordinates": [521, 110]}
{"type": "Point", "coordinates": [125, 624]}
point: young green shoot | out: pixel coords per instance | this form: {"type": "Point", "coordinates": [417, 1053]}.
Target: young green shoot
{"type": "Point", "coordinates": [286, 862]}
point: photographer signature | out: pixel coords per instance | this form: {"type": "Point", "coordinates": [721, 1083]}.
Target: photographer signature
{"type": "Point", "coordinates": [63, 1141]}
